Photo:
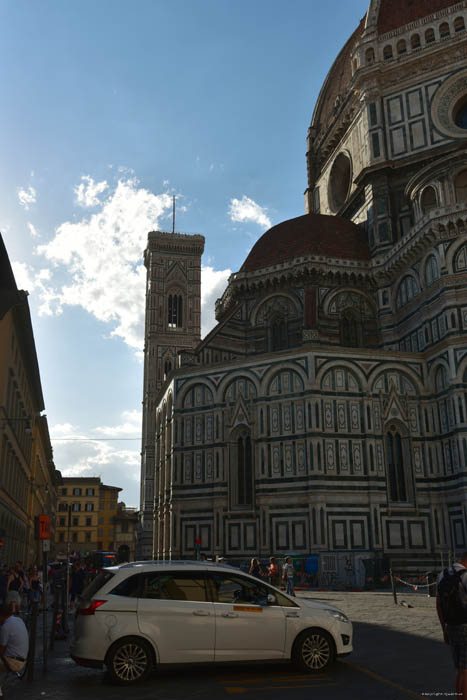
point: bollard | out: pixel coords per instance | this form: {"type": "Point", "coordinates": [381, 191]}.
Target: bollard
{"type": "Point", "coordinates": [393, 586]}
{"type": "Point", "coordinates": [32, 640]}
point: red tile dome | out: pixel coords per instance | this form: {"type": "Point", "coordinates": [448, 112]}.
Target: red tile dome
{"type": "Point", "coordinates": [311, 234]}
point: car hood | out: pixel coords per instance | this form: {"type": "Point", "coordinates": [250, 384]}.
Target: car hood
{"type": "Point", "coordinates": [312, 603]}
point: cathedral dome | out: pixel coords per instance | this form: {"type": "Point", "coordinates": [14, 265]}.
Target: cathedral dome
{"type": "Point", "coordinates": [310, 234]}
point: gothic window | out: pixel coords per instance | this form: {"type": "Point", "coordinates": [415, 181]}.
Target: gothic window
{"type": "Point", "coordinates": [415, 41]}
{"type": "Point", "coordinates": [408, 288]}
{"type": "Point", "coordinates": [396, 468]}
{"type": "Point", "coordinates": [175, 311]}
{"type": "Point", "coordinates": [431, 270]}
{"type": "Point", "coordinates": [279, 336]}
{"type": "Point", "coordinates": [460, 182]}
{"type": "Point", "coordinates": [428, 199]}
{"type": "Point", "coordinates": [459, 24]}
{"type": "Point", "coordinates": [167, 368]}
{"type": "Point", "coordinates": [441, 379]}
{"type": "Point", "coordinates": [241, 469]}
{"type": "Point", "coordinates": [460, 260]}
{"type": "Point", "coordinates": [351, 332]}
{"type": "Point", "coordinates": [430, 36]}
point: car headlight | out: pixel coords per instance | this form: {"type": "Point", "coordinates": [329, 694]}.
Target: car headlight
{"type": "Point", "coordinates": [339, 616]}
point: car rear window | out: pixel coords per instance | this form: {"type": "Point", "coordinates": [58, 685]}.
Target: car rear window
{"type": "Point", "coordinates": [129, 587]}
{"type": "Point", "coordinates": [96, 584]}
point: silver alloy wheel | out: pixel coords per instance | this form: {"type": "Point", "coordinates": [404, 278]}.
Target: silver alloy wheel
{"type": "Point", "coordinates": [130, 662]}
{"type": "Point", "coordinates": [315, 651]}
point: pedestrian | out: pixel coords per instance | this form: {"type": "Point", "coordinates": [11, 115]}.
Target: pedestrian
{"type": "Point", "coordinates": [255, 569]}
{"type": "Point", "coordinates": [273, 572]}
{"type": "Point", "coordinates": [35, 587]}
{"type": "Point", "coordinates": [287, 576]}
{"type": "Point", "coordinates": [14, 642]}
{"type": "Point", "coordinates": [76, 582]}
{"type": "Point", "coordinates": [451, 605]}
{"type": "Point", "coordinates": [13, 590]}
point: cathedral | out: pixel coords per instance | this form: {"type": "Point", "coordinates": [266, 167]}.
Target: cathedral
{"type": "Point", "coordinates": [326, 411]}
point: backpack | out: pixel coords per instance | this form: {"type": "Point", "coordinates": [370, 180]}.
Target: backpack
{"type": "Point", "coordinates": [453, 597]}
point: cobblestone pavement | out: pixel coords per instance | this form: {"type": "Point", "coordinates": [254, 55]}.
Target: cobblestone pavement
{"type": "Point", "coordinates": [399, 653]}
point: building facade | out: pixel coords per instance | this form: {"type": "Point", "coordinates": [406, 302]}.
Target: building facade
{"type": "Point", "coordinates": [28, 478]}
{"type": "Point", "coordinates": [86, 516]}
{"type": "Point", "coordinates": [126, 528]}
{"type": "Point", "coordinates": [326, 412]}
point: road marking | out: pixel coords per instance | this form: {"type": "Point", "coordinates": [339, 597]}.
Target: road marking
{"type": "Point", "coordinates": [381, 679]}
{"type": "Point", "coordinates": [290, 678]}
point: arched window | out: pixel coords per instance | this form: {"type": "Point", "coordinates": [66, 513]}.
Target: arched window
{"type": "Point", "coordinates": [175, 311]}
{"type": "Point", "coordinates": [428, 199]}
{"type": "Point", "coordinates": [430, 36]}
{"type": "Point", "coordinates": [401, 47]}
{"type": "Point", "coordinates": [459, 24]}
{"type": "Point", "coordinates": [460, 260]}
{"type": "Point", "coordinates": [241, 469]}
{"type": "Point", "coordinates": [431, 270]}
{"type": "Point", "coordinates": [396, 469]}
{"type": "Point", "coordinates": [369, 56]}
{"type": "Point", "coordinates": [408, 288]}
{"type": "Point", "coordinates": [444, 30]}
{"type": "Point", "coordinates": [441, 378]}
{"type": "Point", "coordinates": [387, 52]}
{"type": "Point", "coordinates": [460, 184]}
{"type": "Point", "coordinates": [278, 334]}
{"type": "Point", "coordinates": [167, 368]}
{"type": "Point", "coordinates": [351, 334]}
{"type": "Point", "coordinates": [415, 41]}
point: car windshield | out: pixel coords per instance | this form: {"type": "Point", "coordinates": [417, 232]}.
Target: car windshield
{"type": "Point", "coordinates": [96, 584]}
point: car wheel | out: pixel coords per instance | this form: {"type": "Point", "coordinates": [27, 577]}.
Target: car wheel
{"type": "Point", "coordinates": [129, 661]}
{"type": "Point", "coordinates": [313, 650]}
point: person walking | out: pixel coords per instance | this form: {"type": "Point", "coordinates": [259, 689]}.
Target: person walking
{"type": "Point", "coordinates": [255, 569]}
{"type": "Point", "coordinates": [77, 582]}
{"type": "Point", "coordinates": [14, 587]}
{"type": "Point", "coordinates": [451, 605]}
{"type": "Point", "coordinates": [273, 572]}
{"type": "Point", "coordinates": [287, 576]}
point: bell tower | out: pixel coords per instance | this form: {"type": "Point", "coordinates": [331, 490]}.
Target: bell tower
{"type": "Point", "coordinates": [173, 324]}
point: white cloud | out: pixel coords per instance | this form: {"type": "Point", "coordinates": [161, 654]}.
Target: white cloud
{"type": "Point", "coordinates": [213, 283]}
{"type": "Point", "coordinates": [130, 426]}
{"type": "Point", "coordinates": [36, 282]}
{"type": "Point", "coordinates": [117, 463]}
{"type": "Point", "coordinates": [102, 257]}
{"type": "Point", "coordinates": [26, 197]}
{"type": "Point", "coordinates": [33, 230]}
{"type": "Point", "coordinates": [245, 209]}
{"type": "Point", "coordinates": [88, 191]}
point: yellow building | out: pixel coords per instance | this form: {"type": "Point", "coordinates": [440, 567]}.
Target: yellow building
{"type": "Point", "coordinates": [27, 471]}
{"type": "Point", "coordinates": [85, 518]}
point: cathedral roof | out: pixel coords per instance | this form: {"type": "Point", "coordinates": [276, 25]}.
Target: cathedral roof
{"type": "Point", "coordinates": [310, 234]}
{"type": "Point", "coordinates": [397, 13]}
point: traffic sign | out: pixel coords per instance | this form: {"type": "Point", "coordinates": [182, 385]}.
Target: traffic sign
{"type": "Point", "coordinates": [46, 545]}
{"type": "Point", "coordinates": [44, 527]}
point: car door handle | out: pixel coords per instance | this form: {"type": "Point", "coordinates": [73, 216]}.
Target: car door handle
{"type": "Point", "coordinates": [232, 614]}
{"type": "Point", "coordinates": [294, 614]}
{"type": "Point", "coordinates": [201, 613]}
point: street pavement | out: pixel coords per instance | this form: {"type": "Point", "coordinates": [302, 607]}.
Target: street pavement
{"type": "Point", "coordinates": [398, 653]}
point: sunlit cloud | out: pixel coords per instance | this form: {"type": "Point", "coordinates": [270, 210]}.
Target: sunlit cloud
{"type": "Point", "coordinates": [246, 210]}
{"type": "Point", "coordinates": [26, 197]}
{"type": "Point", "coordinates": [88, 191]}
{"type": "Point", "coordinates": [33, 230]}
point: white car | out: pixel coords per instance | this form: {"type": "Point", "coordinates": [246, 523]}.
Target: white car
{"type": "Point", "coordinates": [136, 616]}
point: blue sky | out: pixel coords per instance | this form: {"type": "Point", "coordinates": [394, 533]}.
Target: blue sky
{"type": "Point", "coordinates": [108, 109]}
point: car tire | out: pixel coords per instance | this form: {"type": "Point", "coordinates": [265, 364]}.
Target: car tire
{"type": "Point", "coordinates": [129, 661]}
{"type": "Point", "coordinates": [313, 650]}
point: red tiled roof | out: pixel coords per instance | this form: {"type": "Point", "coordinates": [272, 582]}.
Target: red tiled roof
{"type": "Point", "coordinates": [311, 234]}
{"type": "Point", "coordinates": [337, 80]}
{"type": "Point", "coordinates": [397, 13]}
